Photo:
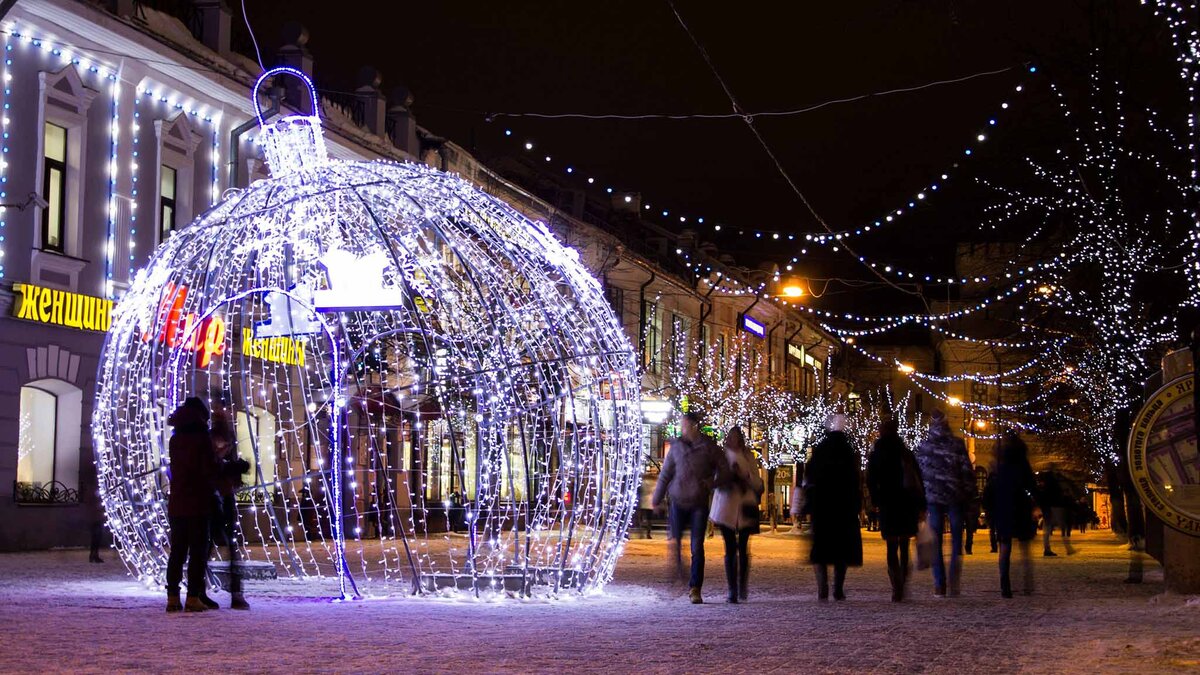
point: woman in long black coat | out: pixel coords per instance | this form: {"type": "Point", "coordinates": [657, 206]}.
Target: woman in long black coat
{"type": "Point", "coordinates": [894, 481]}
{"type": "Point", "coordinates": [1010, 501]}
{"type": "Point", "coordinates": [833, 497]}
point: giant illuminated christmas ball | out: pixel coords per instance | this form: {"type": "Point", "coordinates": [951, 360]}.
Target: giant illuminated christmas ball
{"type": "Point", "coordinates": [430, 388]}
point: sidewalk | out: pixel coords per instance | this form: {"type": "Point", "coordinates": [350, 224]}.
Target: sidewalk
{"type": "Point", "coordinates": [60, 613]}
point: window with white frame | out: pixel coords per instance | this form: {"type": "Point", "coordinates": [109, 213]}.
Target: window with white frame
{"type": "Point", "coordinates": [54, 186]}
{"type": "Point", "coordinates": [63, 118]}
{"type": "Point", "coordinates": [681, 329]}
{"type": "Point", "coordinates": [257, 445]}
{"type": "Point", "coordinates": [653, 335]}
{"type": "Point", "coordinates": [720, 353]}
{"type": "Point", "coordinates": [167, 186]}
{"type": "Point", "coordinates": [48, 442]}
{"type": "Point", "coordinates": [177, 143]}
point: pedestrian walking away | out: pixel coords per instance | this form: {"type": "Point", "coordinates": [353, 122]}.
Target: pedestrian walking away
{"type": "Point", "coordinates": [974, 510]}
{"type": "Point", "coordinates": [193, 473]}
{"type": "Point", "coordinates": [949, 485]}
{"type": "Point", "coordinates": [230, 468]}
{"type": "Point", "coordinates": [735, 511]}
{"type": "Point", "coordinates": [894, 481]}
{"type": "Point", "coordinates": [833, 498]}
{"type": "Point", "coordinates": [693, 467]}
{"type": "Point", "coordinates": [1009, 498]}
{"type": "Point", "coordinates": [1055, 502]}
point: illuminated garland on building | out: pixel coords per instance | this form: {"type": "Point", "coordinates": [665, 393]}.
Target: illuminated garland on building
{"type": "Point", "coordinates": [462, 370]}
{"type": "Point", "coordinates": [68, 57]}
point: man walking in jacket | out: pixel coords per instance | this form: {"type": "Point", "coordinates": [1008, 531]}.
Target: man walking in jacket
{"type": "Point", "coordinates": [693, 467]}
{"type": "Point", "coordinates": [949, 487]}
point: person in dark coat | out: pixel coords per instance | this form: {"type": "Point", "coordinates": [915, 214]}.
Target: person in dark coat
{"type": "Point", "coordinates": [894, 480]}
{"type": "Point", "coordinates": [949, 487]}
{"type": "Point", "coordinates": [1009, 498]}
{"type": "Point", "coordinates": [230, 468]}
{"type": "Point", "coordinates": [89, 492]}
{"type": "Point", "coordinates": [1055, 502]}
{"type": "Point", "coordinates": [189, 505]}
{"type": "Point", "coordinates": [833, 497]}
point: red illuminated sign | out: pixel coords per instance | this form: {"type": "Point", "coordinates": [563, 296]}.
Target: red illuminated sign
{"type": "Point", "coordinates": [180, 331]}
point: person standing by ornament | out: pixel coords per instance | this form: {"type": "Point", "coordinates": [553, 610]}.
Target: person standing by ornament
{"type": "Point", "coordinates": [833, 498]}
{"type": "Point", "coordinates": [895, 483]}
{"type": "Point", "coordinates": [735, 512]}
{"type": "Point", "coordinates": [230, 468]}
{"type": "Point", "coordinates": [89, 492]}
{"type": "Point", "coordinates": [949, 486]}
{"type": "Point", "coordinates": [193, 473]}
{"type": "Point", "coordinates": [1010, 505]}
{"type": "Point", "coordinates": [693, 467]}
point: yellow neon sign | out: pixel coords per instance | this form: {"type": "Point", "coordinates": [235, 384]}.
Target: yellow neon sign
{"type": "Point", "coordinates": [62, 308]}
{"type": "Point", "coordinates": [285, 350]}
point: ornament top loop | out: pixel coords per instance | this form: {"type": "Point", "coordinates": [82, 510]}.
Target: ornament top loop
{"type": "Point", "coordinates": [283, 70]}
{"type": "Point", "coordinates": [295, 142]}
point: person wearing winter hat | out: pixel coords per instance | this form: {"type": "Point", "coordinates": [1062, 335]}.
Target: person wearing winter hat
{"type": "Point", "coordinates": [230, 468]}
{"type": "Point", "coordinates": [735, 511]}
{"type": "Point", "coordinates": [193, 484]}
{"type": "Point", "coordinates": [833, 498]}
{"type": "Point", "coordinates": [949, 485]}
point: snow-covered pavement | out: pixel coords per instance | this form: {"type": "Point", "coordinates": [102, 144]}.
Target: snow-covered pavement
{"type": "Point", "coordinates": [60, 613]}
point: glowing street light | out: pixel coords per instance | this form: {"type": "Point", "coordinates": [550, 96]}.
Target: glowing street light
{"type": "Point", "coordinates": [792, 291]}
{"type": "Point", "coordinates": [906, 369]}
{"type": "Point", "coordinates": [954, 401]}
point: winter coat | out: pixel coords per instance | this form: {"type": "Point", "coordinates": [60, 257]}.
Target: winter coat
{"type": "Point", "coordinates": [690, 472]}
{"type": "Point", "coordinates": [743, 490]}
{"type": "Point", "coordinates": [946, 467]}
{"type": "Point", "coordinates": [833, 497]}
{"type": "Point", "coordinates": [230, 467]}
{"type": "Point", "coordinates": [193, 466]}
{"type": "Point", "coordinates": [1053, 495]}
{"type": "Point", "coordinates": [1009, 497]}
{"type": "Point", "coordinates": [894, 480]}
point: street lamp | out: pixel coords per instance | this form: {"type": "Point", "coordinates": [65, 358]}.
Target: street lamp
{"type": "Point", "coordinates": [905, 368]}
{"type": "Point", "coordinates": [954, 401]}
{"type": "Point", "coordinates": [792, 290]}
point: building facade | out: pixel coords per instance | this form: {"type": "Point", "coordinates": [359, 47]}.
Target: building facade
{"type": "Point", "coordinates": [122, 123]}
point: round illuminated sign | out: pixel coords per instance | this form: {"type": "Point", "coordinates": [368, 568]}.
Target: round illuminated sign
{"type": "Point", "coordinates": [1163, 457]}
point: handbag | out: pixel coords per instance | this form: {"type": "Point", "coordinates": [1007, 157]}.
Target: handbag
{"type": "Point", "coordinates": [751, 518]}
{"type": "Point", "coordinates": [925, 546]}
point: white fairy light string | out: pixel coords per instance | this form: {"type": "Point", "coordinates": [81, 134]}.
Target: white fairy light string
{"type": "Point", "coordinates": [467, 351]}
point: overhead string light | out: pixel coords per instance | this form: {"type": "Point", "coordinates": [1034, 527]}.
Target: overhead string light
{"type": "Point", "coordinates": [674, 217]}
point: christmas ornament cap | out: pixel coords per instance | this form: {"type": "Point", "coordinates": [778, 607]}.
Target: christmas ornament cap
{"type": "Point", "coordinates": [296, 142]}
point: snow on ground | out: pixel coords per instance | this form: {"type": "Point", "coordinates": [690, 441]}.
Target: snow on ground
{"type": "Point", "coordinates": [60, 613]}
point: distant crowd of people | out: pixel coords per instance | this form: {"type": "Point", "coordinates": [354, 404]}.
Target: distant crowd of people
{"type": "Point", "coordinates": [921, 494]}
{"type": "Point", "coordinates": [205, 472]}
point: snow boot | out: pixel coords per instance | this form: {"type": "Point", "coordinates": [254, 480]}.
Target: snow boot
{"type": "Point", "coordinates": [173, 603]}
{"type": "Point", "coordinates": [194, 604]}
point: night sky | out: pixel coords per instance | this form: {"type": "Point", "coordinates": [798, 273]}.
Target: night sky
{"type": "Point", "coordinates": [854, 161]}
